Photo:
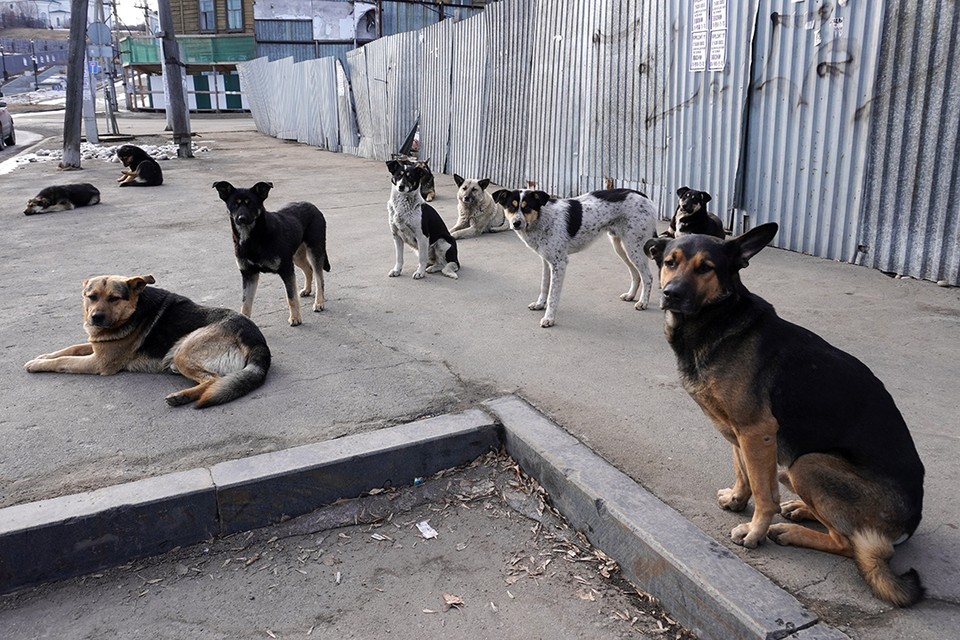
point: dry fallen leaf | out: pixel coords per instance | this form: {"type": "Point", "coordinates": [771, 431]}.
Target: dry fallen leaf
{"type": "Point", "coordinates": [452, 601]}
{"type": "Point", "coordinates": [429, 611]}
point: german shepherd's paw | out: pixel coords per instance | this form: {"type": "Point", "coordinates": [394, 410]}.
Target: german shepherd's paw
{"type": "Point", "coordinates": [732, 501]}
{"type": "Point", "coordinates": [796, 510]}
{"type": "Point", "coordinates": [746, 535]}
{"type": "Point", "coordinates": [782, 534]}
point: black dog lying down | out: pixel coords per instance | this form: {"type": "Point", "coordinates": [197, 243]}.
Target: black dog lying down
{"type": "Point", "coordinates": [275, 241]}
{"type": "Point", "coordinates": [142, 170]}
{"type": "Point", "coordinates": [63, 197]}
{"type": "Point", "coordinates": [691, 215]}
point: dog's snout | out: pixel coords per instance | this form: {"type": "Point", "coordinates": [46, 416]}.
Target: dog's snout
{"type": "Point", "coordinates": [517, 223]}
{"type": "Point", "coordinates": [673, 295]}
{"type": "Point", "coordinates": [97, 318]}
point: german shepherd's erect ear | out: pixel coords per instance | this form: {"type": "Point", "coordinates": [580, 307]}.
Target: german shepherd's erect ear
{"type": "Point", "coordinates": [224, 188]}
{"type": "Point", "coordinates": [262, 189]}
{"type": "Point", "coordinates": [749, 244]}
{"type": "Point", "coordinates": [739, 249]}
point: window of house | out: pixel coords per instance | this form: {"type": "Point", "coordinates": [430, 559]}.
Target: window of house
{"type": "Point", "coordinates": [207, 19]}
{"type": "Point", "coordinates": [235, 15]}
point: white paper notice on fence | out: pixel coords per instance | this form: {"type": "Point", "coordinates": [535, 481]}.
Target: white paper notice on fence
{"type": "Point", "coordinates": [698, 51]}
{"type": "Point", "coordinates": [700, 15]}
{"type": "Point", "coordinates": [718, 50]}
{"type": "Point", "coordinates": [718, 15]}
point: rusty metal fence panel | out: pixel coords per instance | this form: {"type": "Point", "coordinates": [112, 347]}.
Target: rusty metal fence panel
{"type": "Point", "coordinates": [911, 221]}
{"type": "Point", "coordinates": [704, 111]}
{"type": "Point", "coordinates": [434, 95]}
{"type": "Point", "coordinates": [468, 101]}
{"type": "Point", "coordinates": [808, 123]}
{"type": "Point", "coordinates": [783, 110]}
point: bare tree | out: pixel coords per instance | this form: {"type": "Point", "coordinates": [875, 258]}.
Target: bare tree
{"type": "Point", "coordinates": [177, 105]}
{"type": "Point", "coordinates": [72, 118]}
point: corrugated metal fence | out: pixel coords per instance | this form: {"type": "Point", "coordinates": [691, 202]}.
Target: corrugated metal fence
{"type": "Point", "coordinates": [835, 119]}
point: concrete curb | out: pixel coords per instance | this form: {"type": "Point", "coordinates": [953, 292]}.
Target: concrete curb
{"type": "Point", "coordinates": [701, 583]}
{"type": "Point", "coordinates": [76, 534]}
{"type": "Point", "coordinates": [704, 586]}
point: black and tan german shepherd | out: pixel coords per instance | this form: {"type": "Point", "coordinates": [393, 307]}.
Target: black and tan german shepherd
{"type": "Point", "coordinates": [141, 170]}
{"type": "Point", "coordinates": [275, 241]}
{"type": "Point", "coordinates": [62, 197]}
{"type": "Point", "coordinates": [782, 395]}
{"type": "Point", "coordinates": [133, 327]}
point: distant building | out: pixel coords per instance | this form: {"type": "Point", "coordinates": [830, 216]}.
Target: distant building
{"type": "Point", "coordinates": [214, 35]}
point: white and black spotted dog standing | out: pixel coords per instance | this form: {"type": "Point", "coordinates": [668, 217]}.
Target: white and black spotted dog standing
{"type": "Point", "coordinates": [555, 228]}
{"type": "Point", "coordinates": [414, 222]}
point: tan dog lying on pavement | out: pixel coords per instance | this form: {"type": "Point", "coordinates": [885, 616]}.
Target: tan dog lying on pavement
{"type": "Point", "coordinates": [132, 327]}
{"type": "Point", "coordinates": [477, 211]}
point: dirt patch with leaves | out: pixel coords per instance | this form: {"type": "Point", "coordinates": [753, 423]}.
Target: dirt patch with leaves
{"type": "Point", "coordinates": [469, 553]}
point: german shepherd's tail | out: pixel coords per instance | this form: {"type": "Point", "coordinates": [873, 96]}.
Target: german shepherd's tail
{"type": "Point", "coordinates": [872, 552]}
{"type": "Point", "coordinates": [240, 382]}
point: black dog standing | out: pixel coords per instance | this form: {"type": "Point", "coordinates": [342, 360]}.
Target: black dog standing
{"type": "Point", "coordinates": [273, 242]}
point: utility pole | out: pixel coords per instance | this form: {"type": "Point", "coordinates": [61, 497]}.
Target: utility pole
{"type": "Point", "coordinates": [176, 104]}
{"type": "Point", "coordinates": [74, 107]}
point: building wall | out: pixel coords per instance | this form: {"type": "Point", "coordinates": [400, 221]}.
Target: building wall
{"type": "Point", "coordinates": [186, 17]}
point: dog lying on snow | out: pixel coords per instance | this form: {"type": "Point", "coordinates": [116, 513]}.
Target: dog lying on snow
{"type": "Point", "coordinates": [133, 327]}
{"type": "Point", "coordinates": [477, 212]}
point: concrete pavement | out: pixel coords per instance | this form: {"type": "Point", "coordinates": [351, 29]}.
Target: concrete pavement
{"type": "Point", "coordinates": [388, 350]}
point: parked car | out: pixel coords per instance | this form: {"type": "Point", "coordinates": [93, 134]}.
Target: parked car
{"type": "Point", "coordinates": [8, 135]}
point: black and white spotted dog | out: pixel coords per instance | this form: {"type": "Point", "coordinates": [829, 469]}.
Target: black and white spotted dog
{"type": "Point", "coordinates": [555, 228]}
{"type": "Point", "coordinates": [414, 222]}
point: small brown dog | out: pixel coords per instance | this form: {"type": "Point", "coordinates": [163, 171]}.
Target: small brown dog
{"type": "Point", "coordinates": [132, 327]}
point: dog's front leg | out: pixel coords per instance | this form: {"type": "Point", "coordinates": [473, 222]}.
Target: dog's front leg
{"type": "Point", "coordinates": [736, 497]}
{"type": "Point", "coordinates": [557, 270]}
{"type": "Point", "coordinates": [423, 253]}
{"type": "Point", "coordinates": [82, 349]}
{"type": "Point", "coordinates": [544, 287]}
{"type": "Point", "coordinates": [289, 277]}
{"type": "Point", "coordinates": [76, 360]}
{"type": "Point", "coordinates": [250, 281]}
{"type": "Point", "coordinates": [759, 451]}
{"type": "Point", "coordinates": [398, 266]}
